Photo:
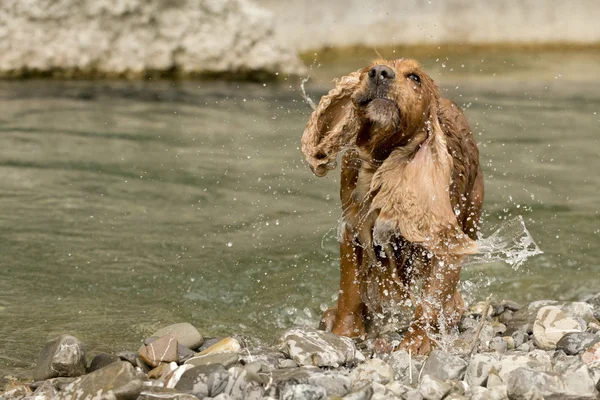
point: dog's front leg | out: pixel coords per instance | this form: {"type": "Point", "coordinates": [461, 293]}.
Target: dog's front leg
{"type": "Point", "coordinates": [441, 304]}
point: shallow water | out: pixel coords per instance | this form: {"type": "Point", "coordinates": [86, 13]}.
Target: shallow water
{"type": "Point", "coordinates": [129, 206]}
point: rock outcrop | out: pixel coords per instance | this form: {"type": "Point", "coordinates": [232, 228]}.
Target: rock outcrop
{"type": "Point", "coordinates": [140, 38]}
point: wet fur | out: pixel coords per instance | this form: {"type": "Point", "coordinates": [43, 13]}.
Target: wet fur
{"type": "Point", "coordinates": [411, 191]}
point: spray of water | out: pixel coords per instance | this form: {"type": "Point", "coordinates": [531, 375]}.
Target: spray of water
{"type": "Point", "coordinates": [511, 243]}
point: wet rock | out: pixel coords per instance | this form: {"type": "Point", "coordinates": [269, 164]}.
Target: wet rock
{"type": "Point", "coordinates": [46, 390]}
{"type": "Point", "coordinates": [129, 356]}
{"type": "Point", "coordinates": [551, 325]}
{"type": "Point", "coordinates": [64, 356]}
{"type": "Point", "coordinates": [225, 359]}
{"type": "Point", "coordinates": [58, 383]}
{"type": "Point", "coordinates": [364, 393]}
{"type": "Point", "coordinates": [406, 368]}
{"type": "Point", "coordinates": [432, 388]}
{"type": "Point", "coordinates": [203, 381]}
{"type": "Point", "coordinates": [268, 357]}
{"type": "Point", "coordinates": [318, 348]}
{"type": "Point", "coordinates": [237, 383]}
{"type": "Point", "coordinates": [525, 318]}
{"type": "Point", "coordinates": [118, 379]}
{"type": "Point", "coordinates": [163, 349]}
{"type": "Point", "coordinates": [173, 378]}
{"type": "Point", "coordinates": [444, 366]}
{"type": "Point", "coordinates": [577, 342]}
{"type": "Point", "coordinates": [303, 392]}
{"type": "Point", "coordinates": [479, 368]}
{"type": "Point", "coordinates": [185, 334]}
{"type": "Point", "coordinates": [227, 345]}
{"type": "Point", "coordinates": [526, 384]}
{"type": "Point", "coordinates": [102, 360]}
{"type": "Point", "coordinates": [372, 370]}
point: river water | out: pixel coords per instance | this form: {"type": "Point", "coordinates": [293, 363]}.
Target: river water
{"type": "Point", "coordinates": [127, 206]}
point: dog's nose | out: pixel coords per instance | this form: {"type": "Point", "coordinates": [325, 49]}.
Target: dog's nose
{"type": "Point", "coordinates": [381, 73]}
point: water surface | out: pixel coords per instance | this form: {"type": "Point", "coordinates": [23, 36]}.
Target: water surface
{"type": "Point", "coordinates": [129, 206]}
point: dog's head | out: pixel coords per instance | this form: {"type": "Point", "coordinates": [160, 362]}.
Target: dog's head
{"type": "Point", "coordinates": [380, 107]}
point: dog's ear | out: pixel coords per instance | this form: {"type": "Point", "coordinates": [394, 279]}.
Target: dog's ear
{"type": "Point", "coordinates": [412, 196]}
{"type": "Point", "coordinates": [333, 125]}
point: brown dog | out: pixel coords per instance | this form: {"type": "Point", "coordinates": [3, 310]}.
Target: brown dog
{"type": "Point", "coordinates": [411, 191]}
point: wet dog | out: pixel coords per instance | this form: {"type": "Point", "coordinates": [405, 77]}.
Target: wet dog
{"type": "Point", "coordinates": [411, 193]}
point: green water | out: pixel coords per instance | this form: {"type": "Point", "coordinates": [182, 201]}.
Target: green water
{"type": "Point", "coordinates": [129, 206]}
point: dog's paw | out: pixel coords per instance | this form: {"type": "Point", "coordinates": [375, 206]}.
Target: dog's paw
{"type": "Point", "coordinates": [416, 341]}
{"type": "Point", "coordinates": [328, 319]}
{"type": "Point", "coordinates": [384, 230]}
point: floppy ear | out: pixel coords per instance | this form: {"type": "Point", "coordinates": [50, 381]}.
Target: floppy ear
{"type": "Point", "coordinates": [333, 125]}
{"type": "Point", "coordinates": [412, 196]}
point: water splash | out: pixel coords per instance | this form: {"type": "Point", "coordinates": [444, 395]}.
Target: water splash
{"type": "Point", "coordinates": [511, 243]}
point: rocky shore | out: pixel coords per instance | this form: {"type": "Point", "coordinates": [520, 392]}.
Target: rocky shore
{"type": "Point", "coordinates": [502, 350]}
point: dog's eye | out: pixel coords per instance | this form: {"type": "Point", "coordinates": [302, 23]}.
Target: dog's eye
{"type": "Point", "coordinates": [415, 78]}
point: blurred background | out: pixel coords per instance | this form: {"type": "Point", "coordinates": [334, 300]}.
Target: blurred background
{"type": "Point", "coordinates": [151, 172]}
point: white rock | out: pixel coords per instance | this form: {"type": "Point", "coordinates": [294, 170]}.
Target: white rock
{"type": "Point", "coordinates": [318, 348]}
{"type": "Point", "coordinates": [138, 37]}
{"type": "Point", "coordinates": [373, 370]}
{"type": "Point", "coordinates": [551, 324]}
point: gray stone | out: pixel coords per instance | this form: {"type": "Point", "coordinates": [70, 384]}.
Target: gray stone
{"type": "Point", "coordinates": [576, 376]}
{"type": "Point", "coordinates": [287, 363]}
{"type": "Point", "coordinates": [185, 334]}
{"type": "Point", "coordinates": [101, 360]}
{"type": "Point", "coordinates": [432, 388]}
{"type": "Point", "coordinates": [577, 342]}
{"type": "Point", "coordinates": [335, 384]}
{"type": "Point", "coordinates": [237, 383]}
{"type": "Point", "coordinates": [225, 359]}
{"type": "Point", "coordinates": [479, 368]}
{"type": "Point", "coordinates": [118, 379]}
{"type": "Point", "coordinates": [129, 356]}
{"type": "Point", "coordinates": [498, 344]}
{"type": "Point", "coordinates": [372, 370]}
{"type": "Point", "coordinates": [406, 368]}
{"type": "Point", "coordinates": [480, 393]}
{"type": "Point", "coordinates": [413, 395]}
{"type": "Point", "coordinates": [551, 325]}
{"type": "Point", "coordinates": [364, 393]}
{"type": "Point", "coordinates": [398, 389]}
{"type": "Point", "coordinates": [519, 337]}
{"type": "Point", "coordinates": [203, 381]}
{"type": "Point", "coordinates": [64, 356]}
{"type": "Point", "coordinates": [318, 348]}
{"type": "Point", "coordinates": [536, 360]}
{"type": "Point", "coordinates": [525, 317]}
{"type": "Point", "coordinates": [138, 37]}
{"type": "Point", "coordinates": [525, 384]}
{"type": "Point", "coordinates": [303, 392]}
{"type": "Point", "coordinates": [444, 366]}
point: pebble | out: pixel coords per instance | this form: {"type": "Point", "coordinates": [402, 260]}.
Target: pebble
{"type": "Point", "coordinates": [163, 349]}
{"type": "Point", "coordinates": [318, 348]}
{"type": "Point", "coordinates": [444, 366]}
{"type": "Point", "coordinates": [498, 344]}
{"type": "Point", "coordinates": [577, 342]}
{"type": "Point", "coordinates": [479, 368]}
{"type": "Point", "coordinates": [303, 392]}
{"type": "Point", "coordinates": [406, 368]}
{"type": "Point", "coordinates": [64, 356]}
{"type": "Point", "coordinates": [524, 384]}
{"type": "Point", "coordinates": [185, 334]}
{"type": "Point", "coordinates": [591, 355]}
{"type": "Point", "coordinates": [525, 318]}
{"type": "Point", "coordinates": [551, 325]}
{"type": "Point", "coordinates": [227, 345]}
{"type": "Point", "coordinates": [364, 393]}
{"type": "Point", "coordinates": [203, 381]}
{"type": "Point", "coordinates": [432, 388]}
{"type": "Point", "coordinates": [372, 370]}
